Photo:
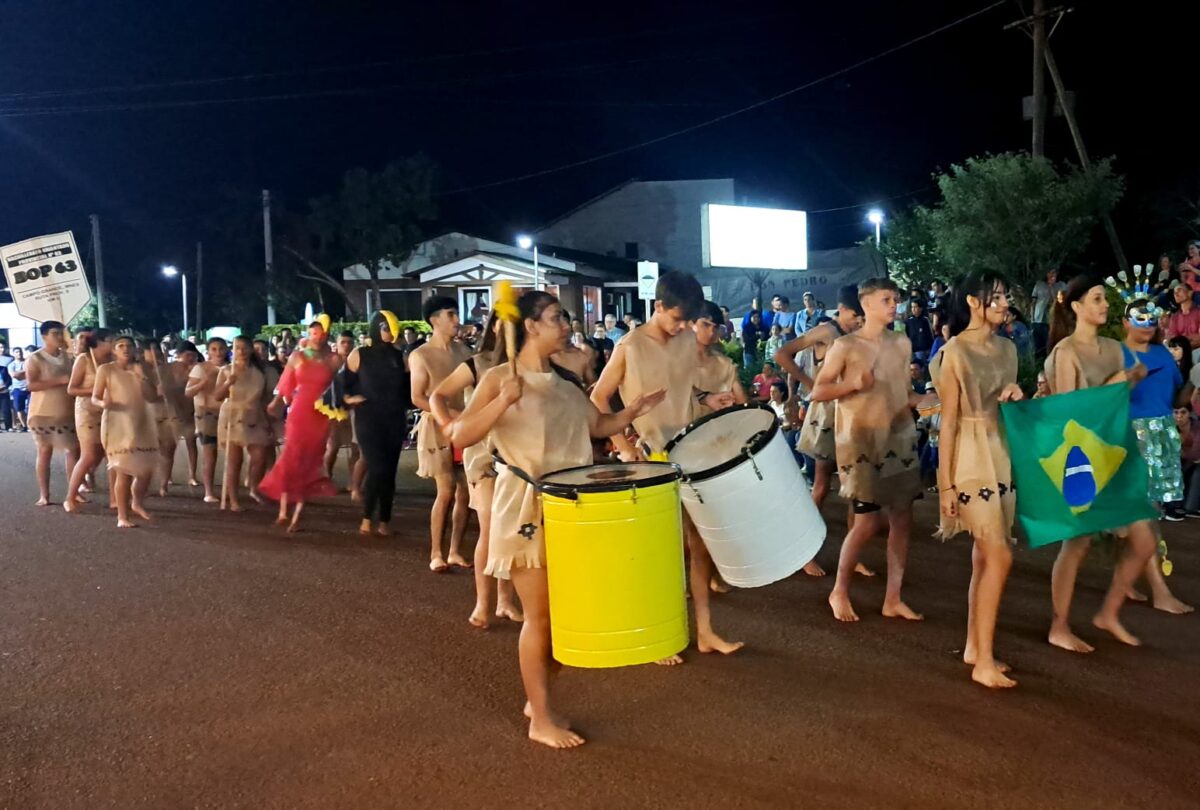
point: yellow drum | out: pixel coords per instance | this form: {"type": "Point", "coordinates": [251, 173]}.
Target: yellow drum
{"type": "Point", "coordinates": [614, 560]}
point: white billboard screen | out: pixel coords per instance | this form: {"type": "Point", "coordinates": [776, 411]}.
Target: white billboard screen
{"type": "Point", "coordinates": [767, 238]}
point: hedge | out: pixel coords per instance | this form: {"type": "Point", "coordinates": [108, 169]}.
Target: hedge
{"type": "Point", "coordinates": [336, 328]}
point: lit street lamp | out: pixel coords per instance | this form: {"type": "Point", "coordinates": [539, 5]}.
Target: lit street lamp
{"type": "Point", "coordinates": [875, 217]}
{"type": "Point", "coordinates": [170, 271]}
{"type": "Point", "coordinates": [525, 243]}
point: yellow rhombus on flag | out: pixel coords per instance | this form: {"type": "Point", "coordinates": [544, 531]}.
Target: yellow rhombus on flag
{"type": "Point", "coordinates": [1082, 466]}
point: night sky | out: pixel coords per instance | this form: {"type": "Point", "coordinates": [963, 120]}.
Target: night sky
{"type": "Point", "coordinates": [159, 117]}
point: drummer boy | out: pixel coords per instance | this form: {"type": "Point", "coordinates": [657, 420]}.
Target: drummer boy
{"type": "Point", "coordinates": [876, 443]}
{"type": "Point", "coordinates": [662, 353]}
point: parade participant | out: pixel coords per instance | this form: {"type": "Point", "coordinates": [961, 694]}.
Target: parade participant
{"type": "Point", "coordinates": [1079, 358]}
{"type": "Point", "coordinates": [125, 390]}
{"type": "Point", "coordinates": [480, 473]}
{"type": "Point", "coordinates": [174, 377]}
{"type": "Point", "coordinates": [974, 373]}
{"type": "Point", "coordinates": [299, 475]}
{"type": "Point", "coordinates": [341, 433]}
{"type": "Point", "coordinates": [539, 421]}
{"type": "Point", "coordinates": [97, 350]}
{"type": "Point", "coordinates": [661, 354]}
{"type": "Point", "coordinates": [428, 366]}
{"type": "Point", "coordinates": [163, 410]}
{"type": "Point", "coordinates": [202, 380]}
{"type": "Point", "coordinates": [272, 370]}
{"type": "Point", "coordinates": [1152, 409]}
{"type": "Point", "coordinates": [876, 441]}
{"type": "Point", "coordinates": [377, 385]}
{"type": "Point", "coordinates": [51, 418]}
{"type": "Point", "coordinates": [243, 426]}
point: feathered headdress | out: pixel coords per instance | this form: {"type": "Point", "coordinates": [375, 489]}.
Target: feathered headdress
{"type": "Point", "coordinates": [1140, 309]}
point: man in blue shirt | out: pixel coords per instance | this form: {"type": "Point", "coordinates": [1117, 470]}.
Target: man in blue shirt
{"type": "Point", "coordinates": [785, 319]}
{"type": "Point", "coordinates": [810, 316]}
{"type": "Point", "coordinates": [611, 331]}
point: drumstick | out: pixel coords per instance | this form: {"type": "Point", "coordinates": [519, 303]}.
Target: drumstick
{"type": "Point", "coordinates": [506, 310]}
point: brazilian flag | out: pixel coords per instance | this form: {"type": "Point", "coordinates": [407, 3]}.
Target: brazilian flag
{"type": "Point", "coordinates": [1076, 464]}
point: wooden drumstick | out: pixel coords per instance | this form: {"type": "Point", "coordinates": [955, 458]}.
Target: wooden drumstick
{"type": "Point", "coordinates": [506, 310]}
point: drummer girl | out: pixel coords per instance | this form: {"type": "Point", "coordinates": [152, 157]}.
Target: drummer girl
{"type": "Point", "coordinates": [539, 421]}
{"type": "Point", "coordinates": [974, 373]}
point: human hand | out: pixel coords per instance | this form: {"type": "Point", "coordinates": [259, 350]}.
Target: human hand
{"type": "Point", "coordinates": [647, 402]}
{"type": "Point", "coordinates": [949, 502]}
{"type": "Point", "coordinates": [719, 400]}
{"type": "Point", "coordinates": [1136, 374]}
{"type": "Point", "coordinates": [510, 390]}
{"type": "Point", "coordinates": [354, 399]}
{"type": "Point", "coordinates": [630, 454]}
{"type": "Point", "coordinates": [865, 380]}
{"type": "Point", "coordinates": [275, 408]}
{"type": "Point", "coordinates": [1012, 393]}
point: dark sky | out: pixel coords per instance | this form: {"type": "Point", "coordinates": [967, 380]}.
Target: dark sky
{"type": "Point", "coordinates": [491, 91]}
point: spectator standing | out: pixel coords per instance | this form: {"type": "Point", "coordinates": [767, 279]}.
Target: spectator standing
{"type": "Point", "coordinates": [1017, 331]}
{"type": "Point", "coordinates": [19, 389]}
{"type": "Point", "coordinates": [1189, 436]}
{"type": "Point", "coordinates": [611, 331]}
{"type": "Point", "coordinates": [810, 316]}
{"type": "Point", "coordinates": [938, 295]}
{"type": "Point", "coordinates": [940, 340]}
{"type": "Point", "coordinates": [785, 319]}
{"type": "Point", "coordinates": [919, 331]}
{"type": "Point", "coordinates": [1044, 294]}
{"type": "Point", "coordinates": [412, 341]}
{"type": "Point", "coordinates": [1185, 321]}
{"type": "Point", "coordinates": [752, 333]}
{"type": "Point", "coordinates": [6, 418]}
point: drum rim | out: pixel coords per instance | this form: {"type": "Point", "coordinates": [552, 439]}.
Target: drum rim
{"type": "Point", "coordinates": [671, 472]}
{"type": "Point", "coordinates": [725, 466]}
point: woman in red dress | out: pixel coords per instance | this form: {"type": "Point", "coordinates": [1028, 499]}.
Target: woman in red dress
{"type": "Point", "coordinates": [299, 473]}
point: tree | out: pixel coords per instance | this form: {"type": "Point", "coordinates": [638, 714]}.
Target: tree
{"type": "Point", "coordinates": [911, 252]}
{"type": "Point", "coordinates": [115, 312]}
{"type": "Point", "coordinates": [373, 218]}
{"type": "Point", "coordinates": [1018, 214]}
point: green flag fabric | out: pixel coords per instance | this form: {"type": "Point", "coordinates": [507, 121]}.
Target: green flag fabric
{"type": "Point", "coordinates": [1076, 464]}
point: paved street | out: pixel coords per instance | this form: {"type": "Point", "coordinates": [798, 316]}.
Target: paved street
{"type": "Point", "coordinates": [213, 661]}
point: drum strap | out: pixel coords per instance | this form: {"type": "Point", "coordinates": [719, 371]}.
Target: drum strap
{"type": "Point", "coordinates": [517, 471]}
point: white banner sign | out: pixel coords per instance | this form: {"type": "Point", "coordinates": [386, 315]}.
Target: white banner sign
{"type": "Point", "coordinates": [647, 275]}
{"type": "Point", "coordinates": [46, 277]}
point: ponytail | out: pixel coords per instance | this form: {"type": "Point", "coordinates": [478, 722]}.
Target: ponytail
{"type": "Point", "coordinates": [530, 307]}
{"type": "Point", "coordinates": [1062, 316]}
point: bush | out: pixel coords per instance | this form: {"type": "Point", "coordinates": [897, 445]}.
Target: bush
{"type": "Point", "coordinates": [733, 350]}
{"type": "Point", "coordinates": [336, 328]}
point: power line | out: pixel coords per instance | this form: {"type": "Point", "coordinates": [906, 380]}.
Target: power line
{"type": "Point", "coordinates": [718, 119]}
{"type": "Point", "coordinates": [871, 202]}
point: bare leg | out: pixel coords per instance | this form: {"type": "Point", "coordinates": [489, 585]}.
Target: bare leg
{"type": "Point", "coordinates": [1139, 548]}
{"type": "Point", "coordinates": [483, 582]}
{"type": "Point", "coordinates": [1164, 600]}
{"type": "Point", "coordinates": [1062, 588]}
{"type": "Point", "coordinates": [331, 453]}
{"type": "Point", "coordinates": [294, 526]}
{"type": "Point", "coordinates": [210, 472]}
{"type": "Point", "coordinates": [864, 528]}
{"type": "Point", "coordinates": [233, 473]}
{"type": "Point", "coordinates": [458, 520]}
{"type": "Point", "coordinates": [701, 570]}
{"type": "Point", "coordinates": [437, 521]}
{"type": "Point", "coordinates": [899, 529]}
{"type": "Point", "coordinates": [357, 477]}
{"type": "Point", "coordinates": [90, 457]}
{"type": "Point", "coordinates": [992, 562]}
{"type": "Point", "coordinates": [166, 465]}
{"type": "Point", "coordinates": [822, 473]}
{"type": "Point", "coordinates": [351, 466]}
{"type": "Point", "coordinates": [258, 467]}
{"type": "Point", "coordinates": [124, 483]}
{"type": "Point", "coordinates": [138, 499]}
{"type": "Point", "coordinates": [44, 456]}
{"type": "Point", "coordinates": [534, 652]}
{"type": "Point", "coordinates": [111, 478]}
{"type": "Point", "coordinates": [283, 509]}
{"type": "Point", "coordinates": [190, 445]}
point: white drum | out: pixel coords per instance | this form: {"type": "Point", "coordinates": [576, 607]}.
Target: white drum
{"type": "Point", "coordinates": [745, 493]}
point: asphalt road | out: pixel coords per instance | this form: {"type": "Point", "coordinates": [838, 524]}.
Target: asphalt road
{"type": "Point", "coordinates": [212, 661]}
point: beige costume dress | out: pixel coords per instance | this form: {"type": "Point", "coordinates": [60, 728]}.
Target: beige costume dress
{"type": "Point", "coordinates": [1073, 365]}
{"type": "Point", "coordinates": [874, 429]}
{"type": "Point", "coordinates": [207, 407]}
{"type": "Point", "coordinates": [816, 438]}
{"type": "Point", "coordinates": [87, 415]}
{"type": "Point", "coordinates": [981, 470]}
{"type": "Point", "coordinates": [435, 456]}
{"type": "Point", "coordinates": [51, 420]}
{"type": "Point", "coordinates": [651, 366]}
{"type": "Point", "coordinates": [477, 459]}
{"type": "Point", "coordinates": [128, 429]}
{"type": "Point", "coordinates": [714, 373]}
{"type": "Point", "coordinates": [180, 408]}
{"type": "Point", "coordinates": [243, 417]}
{"type": "Point", "coordinates": [546, 430]}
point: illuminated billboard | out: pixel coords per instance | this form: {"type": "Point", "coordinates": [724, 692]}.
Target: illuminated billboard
{"type": "Point", "coordinates": [741, 236]}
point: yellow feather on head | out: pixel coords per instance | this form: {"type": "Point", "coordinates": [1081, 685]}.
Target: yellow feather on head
{"type": "Point", "coordinates": [325, 322]}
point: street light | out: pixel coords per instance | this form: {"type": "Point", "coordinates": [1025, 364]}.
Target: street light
{"type": "Point", "coordinates": [875, 217]}
{"type": "Point", "coordinates": [525, 242]}
{"type": "Point", "coordinates": [170, 271]}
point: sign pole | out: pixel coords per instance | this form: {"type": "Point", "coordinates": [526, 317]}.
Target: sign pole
{"type": "Point", "coordinates": [101, 315]}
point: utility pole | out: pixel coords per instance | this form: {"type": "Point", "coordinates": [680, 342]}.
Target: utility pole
{"type": "Point", "coordinates": [200, 288]}
{"type": "Point", "coordinates": [1039, 78]}
{"type": "Point", "coordinates": [101, 315]}
{"type": "Point", "coordinates": [267, 256]}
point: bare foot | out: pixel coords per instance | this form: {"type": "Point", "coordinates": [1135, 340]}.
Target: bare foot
{"type": "Point", "coordinates": [355, 496]}
{"type": "Point", "coordinates": [162, 492]}
{"type": "Point", "coordinates": [458, 561]}
{"type": "Point", "coordinates": [140, 511]}
{"type": "Point", "coordinates": [1134, 595]}
{"type": "Point", "coordinates": [79, 498]}
{"type": "Point", "coordinates": [510, 612]}
{"type": "Point", "coordinates": [814, 570]}
{"type": "Point", "coordinates": [555, 718]}
{"type": "Point", "coordinates": [1069, 641]}
{"type": "Point", "coordinates": [1118, 630]}
{"type": "Point", "coordinates": [863, 570]}
{"type": "Point", "coordinates": [364, 527]}
{"type": "Point", "coordinates": [711, 642]}
{"type": "Point", "coordinates": [718, 585]}
{"type": "Point", "coordinates": [843, 611]}
{"type": "Point", "coordinates": [992, 677]}
{"type": "Point", "coordinates": [42, 502]}
{"type": "Point", "coordinates": [969, 659]}
{"type": "Point", "coordinates": [192, 482]}
{"type": "Point", "coordinates": [479, 618]}
{"type": "Point", "coordinates": [438, 566]}
{"type": "Point", "coordinates": [211, 499]}
{"type": "Point", "coordinates": [383, 530]}
{"type": "Point", "coordinates": [281, 520]}
{"type": "Point", "coordinates": [254, 496]}
{"type": "Point", "coordinates": [669, 661]}
{"type": "Point", "coordinates": [899, 610]}
{"type": "Point", "coordinates": [1168, 604]}
{"type": "Point", "coordinates": [234, 506]}
{"type": "Point", "coordinates": [85, 487]}
{"type": "Point", "coordinates": [70, 506]}
{"type": "Point", "coordinates": [294, 526]}
{"type": "Point", "coordinates": [126, 524]}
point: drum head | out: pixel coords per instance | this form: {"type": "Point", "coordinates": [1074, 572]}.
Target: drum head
{"type": "Point", "coordinates": [608, 477]}
{"type": "Point", "coordinates": [718, 441]}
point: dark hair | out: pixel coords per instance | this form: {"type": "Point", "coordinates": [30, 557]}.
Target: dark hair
{"type": "Point", "coordinates": [1185, 362]}
{"type": "Point", "coordinates": [254, 359]}
{"type": "Point", "coordinates": [92, 337]}
{"type": "Point", "coordinates": [435, 304]}
{"type": "Point", "coordinates": [680, 290]}
{"type": "Point", "coordinates": [489, 344]}
{"type": "Point", "coordinates": [778, 386]}
{"type": "Point", "coordinates": [187, 346]}
{"type": "Point", "coordinates": [1062, 317]}
{"type": "Point", "coordinates": [342, 334]}
{"type": "Point", "coordinates": [224, 343]}
{"type": "Point", "coordinates": [979, 284]}
{"type": "Point", "coordinates": [848, 297]}
{"type": "Point", "coordinates": [530, 307]}
{"type": "Point", "coordinates": [46, 326]}
{"type": "Point", "coordinates": [712, 312]}
{"type": "Point", "coordinates": [874, 285]}
{"type": "Point", "coordinates": [783, 299]}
